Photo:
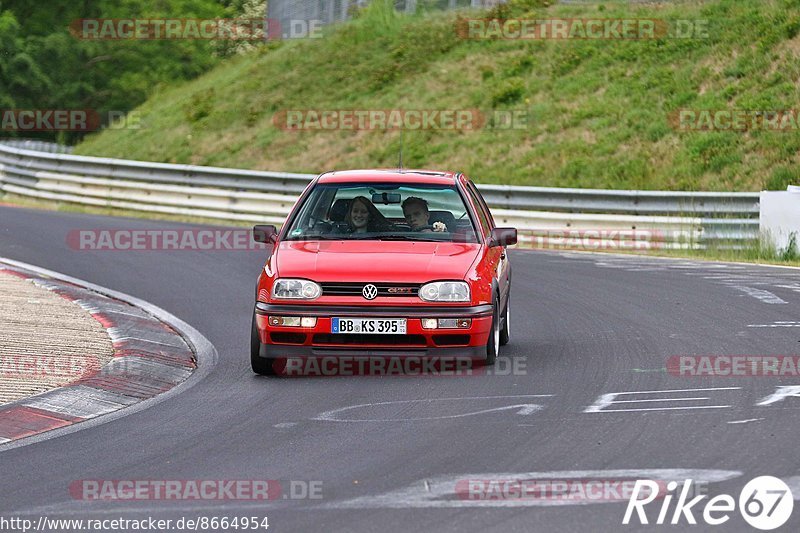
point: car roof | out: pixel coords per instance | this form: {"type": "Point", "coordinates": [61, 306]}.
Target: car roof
{"type": "Point", "coordinates": [390, 175]}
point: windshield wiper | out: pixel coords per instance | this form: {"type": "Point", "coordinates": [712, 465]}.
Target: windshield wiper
{"type": "Point", "coordinates": [319, 238]}
{"type": "Point", "coordinates": [406, 238]}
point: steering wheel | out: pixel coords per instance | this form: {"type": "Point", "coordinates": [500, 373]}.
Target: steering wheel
{"type": "Point", "coordinates": [321, 226]}
{"type": "Point", "coordinates": [340, 227]}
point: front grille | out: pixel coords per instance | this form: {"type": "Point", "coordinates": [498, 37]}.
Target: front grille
{"type": "Point", "coordinates": [384, 289]}
{"type": "Point", "coordinates": [364, 339]}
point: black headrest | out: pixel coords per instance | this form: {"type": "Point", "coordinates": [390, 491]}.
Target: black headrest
{"type": "Point", "coordinates": [443, 216]}
{"type": "Point", "coordinates": [339, 209]}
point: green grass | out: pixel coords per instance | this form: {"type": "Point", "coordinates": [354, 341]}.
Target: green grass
{"type": "Point", "coordinates": [754, 253]}
{"type": "Point", "coordinates": [598, 109]}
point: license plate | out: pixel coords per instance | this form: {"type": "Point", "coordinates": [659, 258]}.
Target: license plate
{"type": "Point", "coordinates": [379, 326]}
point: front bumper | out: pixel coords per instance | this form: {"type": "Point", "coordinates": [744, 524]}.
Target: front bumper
{"type": "Point", "coordinates": [285, 341]}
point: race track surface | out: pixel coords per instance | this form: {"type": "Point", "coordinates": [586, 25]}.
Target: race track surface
{"type": "Point", "coordinates": [583, 326]}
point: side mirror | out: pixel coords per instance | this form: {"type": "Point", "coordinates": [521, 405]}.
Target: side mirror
{"type": "Point", "coordinates": [503, 237]}
{"type": "Point", "coordinates": [265, 233]}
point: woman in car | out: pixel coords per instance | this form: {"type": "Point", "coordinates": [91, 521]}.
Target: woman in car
{"type": "Point", "coordinates": [363, 217]}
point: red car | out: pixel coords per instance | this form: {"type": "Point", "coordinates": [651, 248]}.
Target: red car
{"type": "Point", "coordinates": [384, 263]}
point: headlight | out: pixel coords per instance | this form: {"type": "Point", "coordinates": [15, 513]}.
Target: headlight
{"type": "Point", "coordinates": [296, 289]}
{"type": "Point", "coordinates": [445, 291]}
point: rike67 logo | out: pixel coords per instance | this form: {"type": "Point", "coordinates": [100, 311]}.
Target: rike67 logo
{"type": "Point", "coordinates": [765, 503]}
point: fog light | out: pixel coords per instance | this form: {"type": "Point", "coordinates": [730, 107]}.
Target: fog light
{"type": "Point", "coordinates": [429, 323]}
{"type": "Point", "coordinates": [293, 321]}
{"type": "Point", "coordinates": [308, 321]}
{"type": "Point", "coordinates": [454, 323]}
{"type": "Point", "coordinates": [287, 321]}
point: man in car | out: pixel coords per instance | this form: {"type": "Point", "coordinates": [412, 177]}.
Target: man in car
{"type": "Point", "coordinates": [415, 210]}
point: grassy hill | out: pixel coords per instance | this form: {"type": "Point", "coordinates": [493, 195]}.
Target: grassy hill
{"type": "Point", "coordinates": [598, 109]}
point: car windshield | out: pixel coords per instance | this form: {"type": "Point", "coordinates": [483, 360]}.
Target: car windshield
{"type": "Point", "coordinates": [383, 211]}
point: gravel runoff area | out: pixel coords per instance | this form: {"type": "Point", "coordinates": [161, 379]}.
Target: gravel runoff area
{"type": "Point", "coordinates": [46, 341]}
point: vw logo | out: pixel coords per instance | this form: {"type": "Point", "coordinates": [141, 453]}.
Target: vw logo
{"type": "Point", "coordinates": [369, 291]}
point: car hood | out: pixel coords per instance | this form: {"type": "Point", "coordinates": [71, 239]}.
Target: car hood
{"type": "Point", "coordinates": [390, 261]}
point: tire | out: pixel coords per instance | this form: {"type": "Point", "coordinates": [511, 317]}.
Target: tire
{"type": "Point", "coordinates": [493, 343]}
{"type": "Point", "coordinates": [505, 331]}
{"type": "Point", "coordinates": [259, 364]}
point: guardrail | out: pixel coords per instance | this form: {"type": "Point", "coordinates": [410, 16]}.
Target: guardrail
{"type": "Point", "coordinates": [677, 218]}
{"type": "Point", "coordinates": [39, 146]}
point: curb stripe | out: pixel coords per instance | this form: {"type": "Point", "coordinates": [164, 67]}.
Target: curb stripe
{"type": "Point", "coordinates": [150, 358]}
{"type": "Point", "coordinates": [79, 401]}
{"type": "Point", "coordinates": [17, 421]}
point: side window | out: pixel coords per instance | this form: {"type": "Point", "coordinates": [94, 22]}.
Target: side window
{"type": "Point", "coordinates": [484, 222]}
{"type": "Point", "coordinates": [482, 203]}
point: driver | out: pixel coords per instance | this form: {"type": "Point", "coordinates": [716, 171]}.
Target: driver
{"type": "Point", "coordinates": [415, 209]}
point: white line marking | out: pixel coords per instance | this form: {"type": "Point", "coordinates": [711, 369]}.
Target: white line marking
{"type": "Point", "coordinates": [677, 390]}
{"type": "Point", "coordinates": [524, 409]}
{"type": "Point", "coordinates": [745, 421]}
{"type": "Point", "coordinates": [661, 408]}
{"type": "Point", "coordinates": [442, 493]}
{"type": "Point", "coordinates": [794, 485]}
{"type": "Point", "coordinates": [609, 399]}
{"type": "Point", "coordinates": [660, 400]}
{"type": "Point", "coordinates": [760, 294]}
{"type": "Point", "coordinates": [285, 425]}
{"type": "Point", "coordinates": [781, 392]}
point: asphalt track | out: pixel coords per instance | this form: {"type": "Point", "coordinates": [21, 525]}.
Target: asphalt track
{"type": "Point", "coordinates": [583, 325]}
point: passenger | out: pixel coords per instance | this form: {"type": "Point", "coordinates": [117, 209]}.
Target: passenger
{"type": "Point", "coordinates": [363, 217]}
{"type": "Point", "coordinates": [415, 209]}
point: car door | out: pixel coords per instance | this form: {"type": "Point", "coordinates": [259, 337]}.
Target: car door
{"type": "Point", "coordinates": [497, 256]}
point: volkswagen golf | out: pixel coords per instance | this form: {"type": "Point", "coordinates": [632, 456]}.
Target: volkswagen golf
{"type": "Point", "coordinates": [383, 263]}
